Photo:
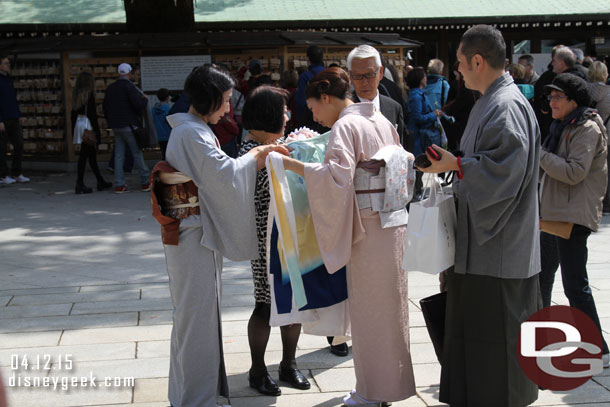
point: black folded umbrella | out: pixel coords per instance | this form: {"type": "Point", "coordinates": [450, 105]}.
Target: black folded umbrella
{"type": "Point", "coordinates": [433, 308]}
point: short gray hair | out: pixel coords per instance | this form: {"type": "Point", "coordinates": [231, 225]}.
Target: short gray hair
{"type": "Point", "coordinates": [363, 52]}
{"type": "Point", "coordinates": [435, 67]}
{"type": "Point", "coordinates": [598, 72]}
{"type": "Point", "coordinates": [567, 56]}
{"type": "Point", "coordinates": [578, 54]}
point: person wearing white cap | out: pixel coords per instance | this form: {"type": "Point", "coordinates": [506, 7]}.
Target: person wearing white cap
{"type": "Point", "coordinates": [124, 69]}
{"type": "Point", "coordinates": [123, 107]}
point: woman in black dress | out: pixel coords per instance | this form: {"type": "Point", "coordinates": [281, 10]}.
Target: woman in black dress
{"type": "Point", "coordinates": [84, 118]}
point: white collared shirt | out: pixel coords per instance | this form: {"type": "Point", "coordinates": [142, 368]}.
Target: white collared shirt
{"type": "Point", "coordinates": [375, 102]}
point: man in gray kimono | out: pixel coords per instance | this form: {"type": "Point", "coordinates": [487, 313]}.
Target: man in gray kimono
{"type": "Point", "coordinates": [494, 285]}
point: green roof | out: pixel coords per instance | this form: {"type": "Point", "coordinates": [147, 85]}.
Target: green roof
{"type": "Point", "coordinates": [61, 11]}
{"type": "Point", "coordinates": [240, 11]}
{"type": "Point", "coordinates": [299, 10]}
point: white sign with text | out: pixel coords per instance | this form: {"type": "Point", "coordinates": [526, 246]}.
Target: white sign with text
{"type": "Point", "coordinates": [168, 72]}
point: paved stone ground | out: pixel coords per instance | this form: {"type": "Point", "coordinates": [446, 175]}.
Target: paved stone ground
{"type": "Point", "coordinates": [85, 276]}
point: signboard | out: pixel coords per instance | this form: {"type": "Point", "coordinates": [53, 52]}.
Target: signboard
{"type": "Point", "coordinates": [169, 72]}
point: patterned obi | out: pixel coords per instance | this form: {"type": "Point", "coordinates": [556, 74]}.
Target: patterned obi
{"type": "Point", "coordinates": [385, 185]}
{"type": "Point", "coordinates": [177, 195]}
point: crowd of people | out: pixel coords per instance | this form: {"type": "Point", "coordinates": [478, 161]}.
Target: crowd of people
{"type": "Point", "coordinates": [529, 155]}
{"type": "Point", "coordinates": [542, 194]}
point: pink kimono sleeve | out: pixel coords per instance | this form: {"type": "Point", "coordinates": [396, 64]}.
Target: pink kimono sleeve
{"type": "Point", "coordinates": [330, 188]}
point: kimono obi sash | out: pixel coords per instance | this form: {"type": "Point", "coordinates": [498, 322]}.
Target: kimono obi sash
{"type": "Point", "coordinates": [385, 185]}
{"type": "Point", "coordinates": [174, 196]}
{"type": "Point", "coordinates": [178, 197]}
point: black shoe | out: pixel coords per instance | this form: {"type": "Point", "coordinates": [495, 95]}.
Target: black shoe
{"type": "Point", "coordinates": [295, 378]}
{"type": "Point", "coordinates": [339, 350]}
{"type": "Point", "coordinates": [102, 185]}
{"type": "Point", "coordinates": [264, 385]}
{"type": "Point", "coordinates": [82, 189]}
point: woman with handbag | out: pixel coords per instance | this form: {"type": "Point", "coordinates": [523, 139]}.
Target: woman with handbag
{"type": "Point", "coordinates": [573, 181]}
{"type": "Point", "coordinates": [86, 131]}
{"type": "Point", "coordinates": [422, 119]}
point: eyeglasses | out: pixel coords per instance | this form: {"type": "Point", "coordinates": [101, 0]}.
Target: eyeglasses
{"type": "Point", "coordinates": [556, 97]}
{"type": "Point", "coordinates": [359, 77]}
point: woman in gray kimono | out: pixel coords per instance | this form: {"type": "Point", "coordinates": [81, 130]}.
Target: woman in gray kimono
{"type": "Point", "coordinates": [225, 188]}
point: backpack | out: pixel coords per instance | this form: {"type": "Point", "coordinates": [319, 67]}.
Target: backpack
{"type": "Point", "coordinates": [435, 93]}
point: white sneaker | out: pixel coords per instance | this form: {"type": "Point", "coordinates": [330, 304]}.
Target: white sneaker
{"type": "Point", "coordinates": [22, 179]}
{"type": "Point", "coordinates": [606, 360]}
{"type": "Point", "coordinates": [7, 180]}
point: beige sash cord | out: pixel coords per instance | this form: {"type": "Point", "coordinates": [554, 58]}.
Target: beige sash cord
{"type": "Point", "coordinates": [172, 178]}
{"type": "Point", "coordinates": [193, 203]}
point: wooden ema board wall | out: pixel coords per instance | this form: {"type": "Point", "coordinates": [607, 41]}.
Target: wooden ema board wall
{"type": "Point", "coordinates": [271, 61]}
{"type": "Point", "coordinates": [274, 61]}
{"type": "Point", "coordinates": [38, 86]}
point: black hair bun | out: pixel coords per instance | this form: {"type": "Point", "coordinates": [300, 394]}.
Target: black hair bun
{"type": "Point", "coordinates": [323, 86]}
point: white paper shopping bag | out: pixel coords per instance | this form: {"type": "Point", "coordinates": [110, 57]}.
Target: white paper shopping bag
{"type": "Point", "coordinates": [430, 243]}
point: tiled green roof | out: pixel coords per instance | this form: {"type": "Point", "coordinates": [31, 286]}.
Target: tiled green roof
{"type": "Point", "coordinates": [291, 10]}
{"type": "Point", "coordinates": [212, 11]}
{"type": "Point", "coordinates": [61, 11]}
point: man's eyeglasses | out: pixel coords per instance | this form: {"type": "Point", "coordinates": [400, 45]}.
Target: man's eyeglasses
{"type": "Point", "coordinates": [556, 97]}
{"type": "Point", "coordinates": [359, 77]}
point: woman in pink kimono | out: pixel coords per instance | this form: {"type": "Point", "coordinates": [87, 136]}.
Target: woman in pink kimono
{"type": "Point", "coordinates": [350, 233]}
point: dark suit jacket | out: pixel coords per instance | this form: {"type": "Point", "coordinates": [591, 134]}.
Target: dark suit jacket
{"type": "Point", "coordinates": [393, 112]}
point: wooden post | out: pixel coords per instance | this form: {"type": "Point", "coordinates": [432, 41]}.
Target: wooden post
{"type": "Point", "coordinates": [67, 91]}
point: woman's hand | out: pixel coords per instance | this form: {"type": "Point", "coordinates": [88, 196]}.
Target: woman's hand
{"type": "Point", "coordinates": [260, 153]}
{"type": "Point", "coordinates": [438, 113]}
{"type": "Point", "coordinates": [294, 165]}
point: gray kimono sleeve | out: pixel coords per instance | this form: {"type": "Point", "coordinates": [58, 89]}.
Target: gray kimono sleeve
{"type": "Point", "coordinates": [494, 177]}
{"type": "Point", "coordinates": [226, 194]}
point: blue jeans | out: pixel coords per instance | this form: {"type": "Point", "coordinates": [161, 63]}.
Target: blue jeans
{"type": "Point", "coordinates": [121, 140]}
{"type": "Point", "coordinates": [572, 255]}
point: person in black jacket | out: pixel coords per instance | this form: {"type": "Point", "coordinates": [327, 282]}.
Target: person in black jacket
{"type": "Point", "coordinates": [461, 102]}
{"type": "Point", "coordinates": [123, 107]}
{"type": "Point", "coordinates": [84, 117]}
{"type": "Point", "coordinates": [10, 126]}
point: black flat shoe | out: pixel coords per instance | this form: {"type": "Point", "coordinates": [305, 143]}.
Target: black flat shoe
{"type": "Point", "coordinates": [82, 189]}
{"type": "Point", "coordinates": [339, 350]}
{"type": "Point", "coordinates": [295, 378]}
{"type": "Point", "coordinates": [102, 185]}
{"type": "Point", "coordinates": [264, 385]}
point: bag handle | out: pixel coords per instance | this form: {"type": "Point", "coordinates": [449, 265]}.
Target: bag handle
{"type": "Point", "coordinates": [434, 185]}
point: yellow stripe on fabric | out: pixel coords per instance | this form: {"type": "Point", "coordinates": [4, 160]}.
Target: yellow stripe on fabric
{"type": "Point", "coordinates": [288, 244]}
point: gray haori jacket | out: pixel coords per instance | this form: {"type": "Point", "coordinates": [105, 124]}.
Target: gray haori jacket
{"type": "Point", "coordinates": [497, 232]}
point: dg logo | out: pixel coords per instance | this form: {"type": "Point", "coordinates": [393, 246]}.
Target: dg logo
{"type": "Point", "coordinates": [560, 348]}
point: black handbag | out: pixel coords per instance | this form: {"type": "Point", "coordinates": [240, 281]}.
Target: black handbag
{"type": "Point", "coordinates": [433, 308]}
{"type": "Point", "coordinates": [140, 134]}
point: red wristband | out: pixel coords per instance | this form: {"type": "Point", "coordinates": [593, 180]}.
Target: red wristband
{"type": "Point", "coordinates": [460, 172]}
